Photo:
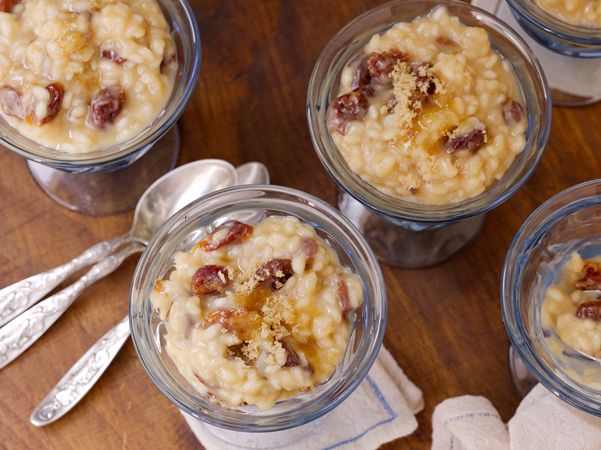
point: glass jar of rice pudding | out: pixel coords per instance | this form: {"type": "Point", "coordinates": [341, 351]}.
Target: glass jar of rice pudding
{"type": "Point", "coordinates": [568, 27]}
{"type": "Point", "coordinates": [427, 115]}
{"type": "Point", "coordinates": [87, 88]}
{"type": "Point", "coordinates": [550, 298]}
{"type": "Point", "coordinates": [258, 308]}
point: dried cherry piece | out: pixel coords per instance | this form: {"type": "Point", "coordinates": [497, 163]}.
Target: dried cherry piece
{"type": "Point", "coordinates": [344, 297]}
{"type": "Point", "coordinates": [226, 233]}
{"type": "Point", "coordinates": [292, 358]}
{"type": "Point", "coordinates": [421, 72]}
{"type": "Point", "coordinates": [112, 55]}
{"type": "Point", "coordinates": [470, 141]}
{"type": "Point", "coordinates": [276, 272]}
{"type": "Point", "coordinates": [167, 61]}
{"type": "Point", "coordinates": [106, 106]}
{"type": "Point", "coordinates": [590, 279]}
{"type": "Point", "coordinates": [210, 279]}
{"type": "Point", "coordinates": [590, 310]}
{"type": "Point", "coordinates": [225, 317]}
{"type": "Point", "coordinates": [346, 108]}
{"type": "Point", "coordinates": [309, 247]}
{"type": "Point", "coordinates": [513, 112]}
{"type": "Point", "coordinates": [362, 76]}
{"type": "Point", "coordinates": [447, 43]}
{"type": "Point", "coordinates": [10, 100]}
{"type": "Point", "coordinates": [7, 5]}
{"type": "Point", "coordinates": [381, 65]}
{"type": "Point", "coordinates": [57, 92]}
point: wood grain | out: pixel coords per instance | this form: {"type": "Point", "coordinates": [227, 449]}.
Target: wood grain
{"type": "Point", "coordinates": [444, 328]}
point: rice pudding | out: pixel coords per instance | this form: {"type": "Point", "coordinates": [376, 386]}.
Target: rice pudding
{"type": "Point", "coordinates": [257, 314]}
{"type": "Point", "coordinates": [80, 76]}
{"type": "Point", "coordinates": [428, 112]}
{"type": "Point", "coordinates": [578, 12]}
{"type": "Point", "coordinates": [572, 306]}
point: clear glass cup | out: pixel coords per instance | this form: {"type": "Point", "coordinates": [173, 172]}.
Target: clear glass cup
{"type": "Point", "coordinates": [569, 221]}
{"type": "Point", "coordinates": [555, 34]}
{"type": "Point", "coordinates": [93, 183]}
{"type": "Point", "coordinates": [403, 233]}
{"type": "Point", "coordinates": [251, 204]}
{"type": "Point", "coordinates": [570, 44]}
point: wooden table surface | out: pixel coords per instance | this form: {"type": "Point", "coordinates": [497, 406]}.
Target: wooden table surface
{"type": "Point", "coordinates": [444, 324]}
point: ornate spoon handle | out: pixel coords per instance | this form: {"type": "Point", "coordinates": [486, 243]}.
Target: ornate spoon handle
{"type": "Point", "coordinates": [80, 378]}
{"type": "Point", "coordinates": [20, 333]}
{"type": "Point", "coordinates": [16, 298]}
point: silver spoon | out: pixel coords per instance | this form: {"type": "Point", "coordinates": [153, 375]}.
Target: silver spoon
{"type": "Point", "coordinates": [78, 380]}
{"type": "Point", "coordinates": [161, 200]}
{"type": "Point", "coordinates": [164, 197]}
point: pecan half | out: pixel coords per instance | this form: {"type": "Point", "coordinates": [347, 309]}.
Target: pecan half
{"type": "Point", "coordinates": [226, 233]}
{"type": "Point", "coordinates": [210, 279]}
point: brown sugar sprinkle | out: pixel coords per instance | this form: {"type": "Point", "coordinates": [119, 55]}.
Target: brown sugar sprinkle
{"type": "Point", "coordinates": [227, 233]}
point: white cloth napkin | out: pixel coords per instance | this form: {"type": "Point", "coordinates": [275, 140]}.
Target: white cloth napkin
{"type": "Point", "coordinates": [542, 421]}
{"type": "Point", "coordinates": [576, 76]}
{"type": "Point", "coordinates": [380, 410]}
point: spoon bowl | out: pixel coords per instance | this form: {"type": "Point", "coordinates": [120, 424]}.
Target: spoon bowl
{"type": "Point", "coordinates": [177, 189]}
{"type": "Point", "coordinates": [161, 200]}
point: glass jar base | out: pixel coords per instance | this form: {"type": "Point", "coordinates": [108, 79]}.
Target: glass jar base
{"type": "Point", "coordinates": [111, 192]}
{"type": "Point", "coordinates": [523, 380]}
{"type": "Point", "coordinates": [412, 245]}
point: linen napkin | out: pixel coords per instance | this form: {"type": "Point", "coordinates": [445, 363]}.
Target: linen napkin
{"type": "Point", "coordinates": [576, 76]}
{"type": "Point", "coordinates": [542, 421]}
{"type": "Point", "coordinates": [381, 409]}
